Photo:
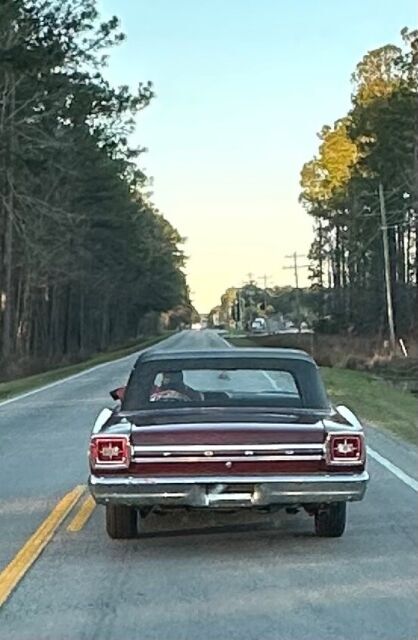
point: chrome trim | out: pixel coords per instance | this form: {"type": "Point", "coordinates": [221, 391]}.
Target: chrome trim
{"type": "Point", "coordinates": [111, 464]}
{"type": "Point", "coordinates": [229, 497]}
{"type": "Point", "coordinates": [351, 417]}
{"type": "Point", "coordinates": [103, 416]}
{"type": "Point", "coordinates": [346, 461]}
{"type": "Point", "coordinates": [116, 466]}
{"type": "Point", "coordinates": [227, 447]}
{"type": "Point", "coordinates": [165, 460]}
{"type": "Point", "coordinates": [228, 479]}
{"type": "Point", "coordinates": [207, 491]}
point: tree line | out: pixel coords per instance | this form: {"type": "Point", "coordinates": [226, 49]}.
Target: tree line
{"type": "Point", "coordinates": [85, 256]}
{"type": "Point", "coordinates": [365, 159]}
{"type": "Point", "coordinates": [243, 305]}
{"type": "Point", "coordinates": [374, 146]}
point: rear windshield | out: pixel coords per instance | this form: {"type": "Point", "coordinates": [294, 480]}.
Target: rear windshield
{"type": "Point", "coordinates": [183, 384]}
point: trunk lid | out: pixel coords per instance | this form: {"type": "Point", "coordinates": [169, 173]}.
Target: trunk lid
{"type": "Point", "coordinates": [236, 442]}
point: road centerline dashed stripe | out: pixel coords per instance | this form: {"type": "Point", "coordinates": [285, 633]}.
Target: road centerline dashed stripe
{"type": "Point", "coordinates": [24, 559]}
{"type": "Point", "coordinates": [82, 516]}
{"type": "Point", "coordinates": [396, 471]}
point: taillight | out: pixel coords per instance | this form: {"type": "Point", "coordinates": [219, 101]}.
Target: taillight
{"type": "Point", "coordinates": [345, 448]}
{"type": "Point", "coordinates": [110, 451]}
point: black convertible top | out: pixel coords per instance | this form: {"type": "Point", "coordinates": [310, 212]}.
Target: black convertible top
{"type": "Point", "coordinates": [299, 364]}
{"type": "Point", "coordinates": [242, 353]}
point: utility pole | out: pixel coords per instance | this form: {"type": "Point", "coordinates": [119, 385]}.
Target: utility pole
{"type": "Point", "coordinates": [265, 278]}
{"type": "Point", "coordinates": [238, 307]}
{"type": "Point", "coordinates": [389, 302]}
{"type": "Point", "coordinates": [295, 266]}
{"type": "Point", "coordinates": [241, 308]}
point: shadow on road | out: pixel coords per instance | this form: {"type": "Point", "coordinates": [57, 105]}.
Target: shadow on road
{"type": "Point", "coordinates": [280, 528]}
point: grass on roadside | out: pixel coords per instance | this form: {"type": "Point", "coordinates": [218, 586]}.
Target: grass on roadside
{"type": "Point", "coordinates": [370, 397]}
{"type": "Point", "coordinates": [21, 385]}
{"type": "Point", "coordinates": [243, 341]}
{"type": "Point", "coordinates": [374, 400]}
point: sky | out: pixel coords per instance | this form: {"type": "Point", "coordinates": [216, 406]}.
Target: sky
{"type": "Point", "coordinates": [243, 87]}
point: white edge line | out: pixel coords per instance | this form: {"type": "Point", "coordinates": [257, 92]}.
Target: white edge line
{"type": "Point", "coordinates": [387, 464]}
{"type": "Point", "coordinates": [396, 471]}
{"type": "Point", "coordinates": [67, 379]}
{"type": "Point", "coordinates": [401, 475]}
{"type": "Point", "coordinates": [76, 375]}
{"type": "Point", "coordinates": [392, 468]}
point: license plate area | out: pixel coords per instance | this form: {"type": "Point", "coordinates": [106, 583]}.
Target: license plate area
{"type": "Point", "coordinates": [239, 487]}
{"type": "Point", "coordinates": [229, 494]}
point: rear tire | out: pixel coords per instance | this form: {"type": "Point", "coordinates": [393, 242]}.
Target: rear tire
{"type": "Point", "coordinates": [121, 521]}
{"type": "Point", "coordinates": [330, 522]}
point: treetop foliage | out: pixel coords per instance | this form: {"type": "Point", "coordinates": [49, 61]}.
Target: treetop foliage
{"type": "Point", "coordinates": [85, 254]}
{"type": "Point", "coordinates": [376, 142]}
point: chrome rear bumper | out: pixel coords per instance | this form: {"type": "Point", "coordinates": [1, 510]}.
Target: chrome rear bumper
{"type": "Point", "coordinates": [226, 492]}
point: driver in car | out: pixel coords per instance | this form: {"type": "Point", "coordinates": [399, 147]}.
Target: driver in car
{"type": "Point", "coordinates": [173, 388]}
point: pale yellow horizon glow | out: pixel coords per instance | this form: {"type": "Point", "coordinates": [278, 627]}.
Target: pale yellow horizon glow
{"type": "Point", "coordinates": [242, 88]}
{"type": "Point", "coordinates": [257, 251]}
{"type": "Point", "coordinates": [228, 237]}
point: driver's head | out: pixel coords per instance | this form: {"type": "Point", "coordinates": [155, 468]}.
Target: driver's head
{"type": "Point", "coordinates": [172, 379]}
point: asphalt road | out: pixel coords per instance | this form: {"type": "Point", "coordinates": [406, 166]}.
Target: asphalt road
{"type": "Point", "coordinates": [210, 577]}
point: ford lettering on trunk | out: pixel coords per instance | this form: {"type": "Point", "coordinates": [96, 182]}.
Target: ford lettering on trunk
{"type": "Point", "coordinates": [226, 429]}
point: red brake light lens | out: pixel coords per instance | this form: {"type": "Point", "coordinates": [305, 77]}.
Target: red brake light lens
{"type": "Point", "coordinates": [345, 449]}
{"type": "Point", "coordinates": [110, 451]}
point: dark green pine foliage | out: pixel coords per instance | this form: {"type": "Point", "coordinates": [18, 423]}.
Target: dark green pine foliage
{"type": "Point", "coordinates": [376, 142]}
{"type": "Point", "coordinates": [84, 256]}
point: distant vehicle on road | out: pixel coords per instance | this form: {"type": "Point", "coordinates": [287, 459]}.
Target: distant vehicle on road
{"type": "Point", "coordinates": [258, 325]}
{"type": "Point", "coordinates": [196, 326]}
{"type": "Point", "coordinates": [226, 429]}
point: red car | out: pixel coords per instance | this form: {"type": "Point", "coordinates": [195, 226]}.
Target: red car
{"type": "Point", "coordinates": [226, 429]}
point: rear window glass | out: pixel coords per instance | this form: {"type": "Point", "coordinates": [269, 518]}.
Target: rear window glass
{"type": "Point", "coordinates": [200, 384]}
{"type": "Point", "coordinates": [224, 383]}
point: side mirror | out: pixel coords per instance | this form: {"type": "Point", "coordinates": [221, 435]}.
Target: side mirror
{"type": "Point", "coordinates": [118, 394]}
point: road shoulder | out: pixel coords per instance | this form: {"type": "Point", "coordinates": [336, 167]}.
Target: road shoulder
{"type": "Point", "coordinates": [399, 452]}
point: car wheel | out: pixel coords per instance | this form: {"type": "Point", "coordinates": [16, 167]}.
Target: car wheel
{"type": "Point", "coordinates": [121, 521]}
{"type": "Point", "coordinates": [330, 521]}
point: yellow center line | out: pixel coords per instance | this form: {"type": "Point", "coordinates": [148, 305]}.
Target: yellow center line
{"type": "Point", "coordinates": [24, 559]}
{"type": "Point", "coordinates": [83, 514]}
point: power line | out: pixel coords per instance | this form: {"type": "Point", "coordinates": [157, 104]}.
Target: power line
{"type": "Point", "coordinates": [265, 279]}
{"type": "Point", "coordinates": [354, 255]}
{"type": "Point", "coordinates": [296, 266]}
